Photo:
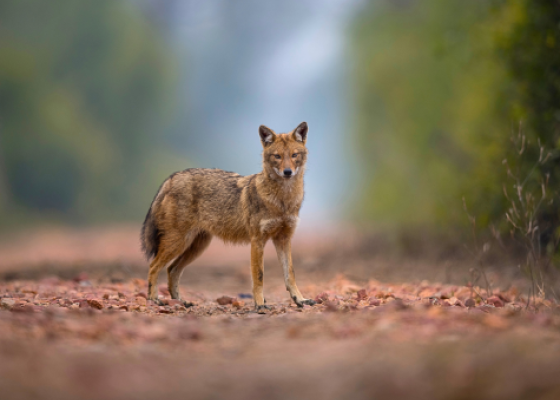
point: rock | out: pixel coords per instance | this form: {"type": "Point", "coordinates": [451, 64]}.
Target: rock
{"type": "Point", "coordinates": [141, 301]}
{"type": "Point", "coordinates": [64, 302]}
{"type": "Point", "coordinates": [94, 303]}
{"type": "Point", "coordinates": [470, 303]}
{"type": "Point", "coordinates": [165, 310]}
{"type": "Point", "coordinates": [375, 302]}
{"type": "Point", "coordinates": [123, 308]}
{"type": "Point", "coordinates": [238, 303]}
{"type": "Point", "coordinates": [361, 295]}
{"type": "Point", "coordinates": [321, 298]}
{"type": "Point", "coordinates": [224, 300]}
{"type": "Point", "coordinates": [7, 304]}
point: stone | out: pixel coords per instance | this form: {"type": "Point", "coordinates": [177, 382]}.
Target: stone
{"type": "Point", "coordinates": [7, 304]}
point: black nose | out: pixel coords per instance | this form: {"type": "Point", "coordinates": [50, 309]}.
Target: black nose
{"type": "Point", "coordinates": [287, 172]}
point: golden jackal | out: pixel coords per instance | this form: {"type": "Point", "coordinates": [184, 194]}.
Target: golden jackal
{"type": "Point", "coordinates": [194, 205]}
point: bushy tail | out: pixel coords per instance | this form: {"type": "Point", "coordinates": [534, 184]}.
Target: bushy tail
{"type": "Point", "coordinates": [149, 236]}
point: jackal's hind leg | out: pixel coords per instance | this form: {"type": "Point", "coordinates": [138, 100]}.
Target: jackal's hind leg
{"type": "Point", "coordinates": [167, 252]}
{"type": "Point", "coordinates": [155, 266]}
{"type": "Point", "coordinates": [198, 244]}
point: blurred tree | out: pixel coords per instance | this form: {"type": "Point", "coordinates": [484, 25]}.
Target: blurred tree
{"type": "Point", "coordinates": [440, 88]}
{"type": "Point", "coordinates": [83, 89]}
{"type": "Point", "coordinates": [531, 50]}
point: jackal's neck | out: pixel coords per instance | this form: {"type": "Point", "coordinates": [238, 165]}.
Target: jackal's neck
{"type": "Point", "coordinates": [285, 194]}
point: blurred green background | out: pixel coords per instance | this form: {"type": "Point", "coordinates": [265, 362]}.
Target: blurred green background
{"type": "Point", "coordinates": [84, 95]}
{"type": "Point", "coordinates": [411, 104]}
{"type": "Point", "coordinates": [441, 87]}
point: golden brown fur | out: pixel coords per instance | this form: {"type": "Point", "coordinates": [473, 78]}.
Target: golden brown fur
{"type": "Point", "coordinates": [194, 205]}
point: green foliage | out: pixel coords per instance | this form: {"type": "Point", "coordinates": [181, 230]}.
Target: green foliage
{"type": "Point", "coordinates": [82, 93]}
{"type": "Point", "coordinates": [531, 50]}
{"type": "Point", "coordinates": [440, 87]}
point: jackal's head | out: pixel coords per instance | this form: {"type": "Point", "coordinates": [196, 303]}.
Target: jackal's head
{"type": "Point", "coordinates": [285, 154]}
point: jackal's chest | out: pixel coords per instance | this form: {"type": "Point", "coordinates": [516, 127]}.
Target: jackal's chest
{"type": "Point", "coordinates": [270, 226]}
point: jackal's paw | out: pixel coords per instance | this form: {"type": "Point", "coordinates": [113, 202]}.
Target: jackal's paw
{"type": "Point", "coordinates": [304, 302]}
{"type": "Point", "coordinates": [263, 309]}
{"type": "Point", "coordinates": [156, 301]}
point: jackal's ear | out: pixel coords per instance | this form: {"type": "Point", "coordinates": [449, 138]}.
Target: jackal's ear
{"type": "Point", "coordinates": [267, 135]}
{"type": "Point", "coordinates": [300, 133]}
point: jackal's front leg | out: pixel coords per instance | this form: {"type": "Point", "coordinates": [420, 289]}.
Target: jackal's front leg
{"type": "Point", "coordinates": [257, 274]}
{"type": "Point", "coordinates": [284, 251]}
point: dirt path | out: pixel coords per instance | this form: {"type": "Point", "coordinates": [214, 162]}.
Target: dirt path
{"type": "Point", "coordinates": [89, 340]}
{"type": "Point", "coordinates": [92, 334]}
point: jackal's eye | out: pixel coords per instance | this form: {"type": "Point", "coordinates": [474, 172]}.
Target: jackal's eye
{"type": "Point", "coordinates": [294, 155]}
{"type": "Point", "coordinates": [277, 156]}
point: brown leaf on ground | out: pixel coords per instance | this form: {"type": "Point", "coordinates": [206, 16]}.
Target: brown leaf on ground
{"type": "Point", "coordinates": [94, 303]}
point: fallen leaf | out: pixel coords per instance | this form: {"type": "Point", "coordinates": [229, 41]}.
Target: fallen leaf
{"type": "Point", "coordinates": [95, 304]}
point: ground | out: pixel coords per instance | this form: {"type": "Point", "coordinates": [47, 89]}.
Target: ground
{"type": "Point", "coordinates": [75, 323]}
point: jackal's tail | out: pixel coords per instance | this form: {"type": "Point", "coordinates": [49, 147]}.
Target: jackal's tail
{"type": "Point", "coordinates": [150, 234]}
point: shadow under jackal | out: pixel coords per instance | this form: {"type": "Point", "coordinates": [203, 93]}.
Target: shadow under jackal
{"type": "Point", "coordinates": [194, 205]}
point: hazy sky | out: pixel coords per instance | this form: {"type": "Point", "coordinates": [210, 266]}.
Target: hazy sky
{"type": "Point", "coordinates": [250, 62]}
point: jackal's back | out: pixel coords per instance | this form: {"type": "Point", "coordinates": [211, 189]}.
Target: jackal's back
{"type": "Point", "coordinates": [208, 200]}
